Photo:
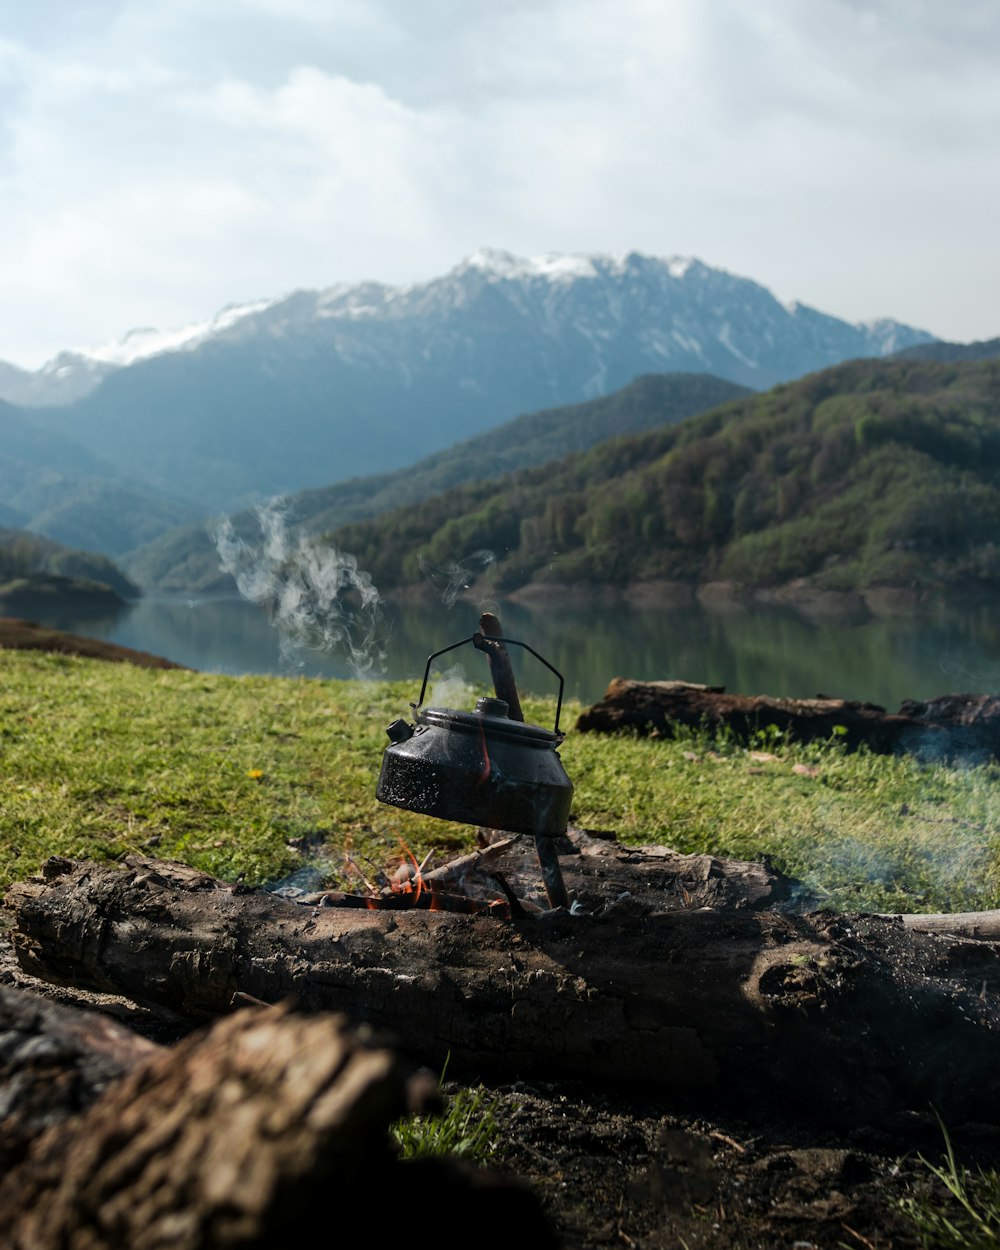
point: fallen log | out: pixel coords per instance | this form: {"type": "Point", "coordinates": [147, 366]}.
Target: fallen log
{"type": "Point", "coordinates": [252, 1134]}
{"type": "Point", "coordinates": [954, 726]}
{"type": "Point", "coordinates": [852, 1015]}
{"type": "Point", "coordinates": [55, 1061]}
{"type": "Point", "coordinates": [983, 925]}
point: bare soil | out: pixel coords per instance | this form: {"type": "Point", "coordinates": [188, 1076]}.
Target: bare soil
{"type": "Point", "coordinates": [20, 635]}
{"type": "Point", "coordinates": [651, 1174]}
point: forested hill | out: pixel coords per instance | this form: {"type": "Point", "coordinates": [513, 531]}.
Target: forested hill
{"type": "Point", "coordinates": [869, 473]}
{"type": "Point", "coordinates": [650, 401]}
{"type": "Point", "coordinates": [185, 559]}
{"type": "Point", "coordinates": [984, 349]}
{"type": "Point", "coordinates": [33, 565]}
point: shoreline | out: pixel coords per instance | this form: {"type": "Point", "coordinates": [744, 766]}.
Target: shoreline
{"type": "Point", "coordinates": [17, 634]}
{"type": "Point", "coordinates": [717, 596]}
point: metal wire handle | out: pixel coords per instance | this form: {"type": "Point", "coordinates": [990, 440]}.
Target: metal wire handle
{"type": "Point", "coordinates": [516, 643]}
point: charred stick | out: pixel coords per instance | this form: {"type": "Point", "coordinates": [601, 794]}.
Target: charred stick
{"type": "Point", "coordinates": [518, 906]}
{"type": "Point", "coordinates": [490, 629]}
{"type": "Point", "coordinates": [470, 864]}
{"type": "Point", "coordinates": [500, 666]}
{"type": "Point", "coordinates": [437, 900]}
{"type": "Point", "coordinates": [407, 900]}
{"type": "Point", "coordinates": [552, 878]}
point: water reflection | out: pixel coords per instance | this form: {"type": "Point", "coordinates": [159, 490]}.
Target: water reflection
{"type": "Point", "coordinates": [763, 651]}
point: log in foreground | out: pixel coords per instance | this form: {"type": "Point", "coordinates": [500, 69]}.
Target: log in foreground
{"type": "Point", "coordinates": [849, 1015]}
{"type": "Point", "coordinates": [54, 1062]}
{"type": "Point", "coordinates": [253, 1134]}
{"type": "Point", "coordinates": [963, 726]}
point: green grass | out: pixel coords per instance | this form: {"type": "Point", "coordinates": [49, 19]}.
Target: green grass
{"type": "Point", "coordinates": [98, 760]}
{"type": "Point", "coordinates": [968, 1217]}
{"type": "Point", "coordinates": [468, 1128]}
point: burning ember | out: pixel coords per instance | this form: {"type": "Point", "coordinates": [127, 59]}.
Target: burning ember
{"type": "Point", "coordinates": [469, 885]}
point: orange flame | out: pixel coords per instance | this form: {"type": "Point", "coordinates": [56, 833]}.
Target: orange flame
{"type": "Point", "coordinates": [487, 768]}
{"type": "Point", "coordinates": [414, 884]}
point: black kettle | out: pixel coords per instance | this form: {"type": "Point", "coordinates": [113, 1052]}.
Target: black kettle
{"type": "Point", "coordinates": [480, 767]}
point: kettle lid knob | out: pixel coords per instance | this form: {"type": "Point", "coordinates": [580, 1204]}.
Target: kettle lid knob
{"type": "Point", "coordinates": [399, 731]}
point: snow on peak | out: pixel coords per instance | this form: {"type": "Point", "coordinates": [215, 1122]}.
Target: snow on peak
{"type": "Point", "coordinates": [678, 266]}
{"type": "Point", "coordinates": [562, 266]}
{"type": "Point", "coordinates": [552, 265]}
{"type": "Point", "coordinates": [146, 341]}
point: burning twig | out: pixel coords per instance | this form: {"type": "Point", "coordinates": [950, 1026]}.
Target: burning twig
{"type": "Point", "coordinates": [355, 867]}
{"type": "Point", "coordinates": [465, 865]}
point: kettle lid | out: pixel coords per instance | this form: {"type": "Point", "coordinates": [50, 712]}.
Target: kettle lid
{"type": "Point", "coordinates": [489, 718]}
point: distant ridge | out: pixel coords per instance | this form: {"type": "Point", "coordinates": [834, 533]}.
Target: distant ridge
{"type": "Point", "coordinates": [51, 484]}
{"type": "Point", "coordinates": [985, 349]}
{"type": "Point", "coordinates": [184, 560]}
{"type": "Point", "coordinates": [364, 378]}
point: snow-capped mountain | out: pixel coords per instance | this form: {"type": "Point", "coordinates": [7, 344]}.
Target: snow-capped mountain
{"type": "Point", "coordinates": [74, 373]}
{"type": "Point", "coordinates": [363, 377]}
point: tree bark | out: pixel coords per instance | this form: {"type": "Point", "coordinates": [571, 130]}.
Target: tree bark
{"type": "Point", "coordinates": [54, 1062]}
{"type": "Point", "coordinates": [852, 1015]}
{"type": "Point", "coordinates": [250, 1135]}
{"type": "Point", "coordinates": [966, 726]}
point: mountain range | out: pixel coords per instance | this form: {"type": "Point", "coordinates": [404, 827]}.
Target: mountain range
{"type": "Point", "coordinates": [359, 379]}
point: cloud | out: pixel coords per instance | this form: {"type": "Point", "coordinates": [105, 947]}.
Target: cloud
{"type": "Point", "coordinates": [160, 158]}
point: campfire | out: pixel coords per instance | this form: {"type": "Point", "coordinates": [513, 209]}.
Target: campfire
{"type": "Point", "coordinates": [487, 768]}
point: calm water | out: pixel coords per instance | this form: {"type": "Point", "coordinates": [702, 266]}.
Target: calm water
{"type": "Point", "coordinates": [763, 651]}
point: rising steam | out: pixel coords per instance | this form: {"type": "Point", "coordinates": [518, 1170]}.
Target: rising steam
{"type": "Point", "coordinates": [450, 688]}
{"type": "Point", "coordinates": [317, 596]}
{"type": "Point", "coordinates": [452, 579]}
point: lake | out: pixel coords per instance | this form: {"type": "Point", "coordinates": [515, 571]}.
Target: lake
{"type": "Point", "coordinates": [759, 651]}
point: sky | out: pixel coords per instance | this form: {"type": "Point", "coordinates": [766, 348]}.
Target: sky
{"type": "Point", "coordinates": [160, 159]}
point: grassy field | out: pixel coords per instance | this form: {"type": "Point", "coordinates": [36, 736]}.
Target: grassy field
{"type": "Point", "coordinates": [100, 760]}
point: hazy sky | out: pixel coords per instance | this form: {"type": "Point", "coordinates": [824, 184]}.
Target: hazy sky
{"type": "Point", "coordinates": [162, 158]}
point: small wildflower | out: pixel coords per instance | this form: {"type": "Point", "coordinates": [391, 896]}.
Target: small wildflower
{"type": "Point", "coordinates": [255, 773]}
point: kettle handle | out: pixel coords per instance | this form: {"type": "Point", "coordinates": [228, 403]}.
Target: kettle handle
{"type": "Point", "coordinates": [514, 641]}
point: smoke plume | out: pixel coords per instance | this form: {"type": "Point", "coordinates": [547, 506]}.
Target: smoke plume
{"type": "Point", "coordinates": [451, 579]}
{"type": "Point", "coordinates": [317, 596]}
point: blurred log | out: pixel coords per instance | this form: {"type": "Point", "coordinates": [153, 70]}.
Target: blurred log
{"type": "Point", "coordinates": [966, 726]}
{"type": "Point", "coordinates": [253, 1134]}
{"type": "Point", "coordinates": [853, 1016]}
{"type": "Point", "coordinates": [54, 1062]}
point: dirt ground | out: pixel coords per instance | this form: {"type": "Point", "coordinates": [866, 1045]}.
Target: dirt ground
{"type": "Point", "coordinates": [612, 1171]}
